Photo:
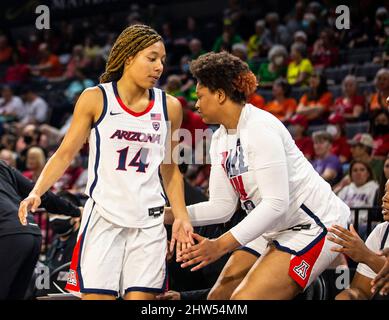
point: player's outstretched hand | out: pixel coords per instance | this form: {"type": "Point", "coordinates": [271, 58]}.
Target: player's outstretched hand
{"type": "Point", "coordinates": [31, 203]}
{"type": "Point", "coordinates": [351, 243]}
{"type": "Point", "coordinates": [182, 232]}
{"type": "Point", "coordinates": [202, 254]}
{"type": "Point", "coordinates": [381, 281]}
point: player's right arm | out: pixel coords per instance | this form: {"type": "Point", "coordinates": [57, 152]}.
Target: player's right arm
{"type": "Point", "coordinates": [222, 202]}
{"type": "Point", "coordinates": [87, 110]}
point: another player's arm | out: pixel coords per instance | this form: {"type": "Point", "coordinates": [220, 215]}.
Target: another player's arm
{"type": "Point", "coordinates": [173, 180]}
{"type": "Point", "coordinates": [87, 110]}
{"type": "Point", "coordinates": [222, 202]}
{"type": "Point", "coordinates": [351, 244]}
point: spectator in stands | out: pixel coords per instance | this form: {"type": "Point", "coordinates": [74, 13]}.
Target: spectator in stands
{"type": "Point", "coordinates": [18, 72]}
{"type": "Point", "coordinates": [30, 136]}
{"type": "Point", "coordinates": [365, 253]}
{"type": "Point", "coordinates": [173, 86]}
{"type": "Point", "coordinates": [300, 68]}
{"type": "Point", "coordinates": [257, 100]}
{"type": "Point", "coordinates": [188, 84]}
{"type": "Point", "coordinates": [295, 19]}
{"type": "Point", "coordinates": [35, 107]}
{"type": "Point", "coordinates": [361, 192]}
{"type": "Point", "coordinates": [316, 102]}
{"type": "Point", "coordinates": [49, 66]}
{"type": "Point", "coordinates": [361, 149]}
{"type": "Point", "coordinates": [325, 53]}
{"type": "Point", "coordinates": [340, 146]}
{"type": "Point", "coordinates": [325, 163]}
{"type": "Point", "coordinates": [11, 106]}
{"type": "Point", "coordinates": [379, 26]}
{"type": "Point", "coordinates": [32, 48]}
{"type": "Point", "coordinates": [91, 49]}
{"type": "Point", "coordinates": [192, 30]}
{"type": "Point", "coordinates": [256, 45]}
{"type": "Point", "coordinates": [282, 106]}
{"type": "Point", "coordinates": [310, 27]}
{"type": "Point", "coordinates": [351, 105]}
{"type": "Point", "coordinates": [360, 35]}
{"type": "Point", "coordinates": [35, 163]}
{"type": "Point", "coordinates": [381, 81]}
{"type": "Point", "coordinates": [384, 59]}
{"type": "Point", "coordinates": [275, 68]}
{"type": "Point", "coordinates": [297, 128]}
{"type": "Point", "coordinates": [55, 135]}
{"type": "Point", "coordinates": [5, 50]}
{"type": "Point", "coordinates": [106, 49]}
{"type": "Point", "coordinates": [227, 39]}
{"type": "Point", "coordinates": [277, 33]}
{"type": "Point", "coordinates": [78, 84]}
{"type": "Point", "coordinates": [300, 37]}
{"type": "Point", "coordinates": [380, 132]}
{"type": "Point", "coordinates": [9, 139]}
{"type": "Point", "coordinates": [9, 157]}
{"type": "Point", "coordinates": [78, 62]}
{"type": "Point", "coordinates": [196, 48]}
{"type": "Point", "coordinates": [240, 50]}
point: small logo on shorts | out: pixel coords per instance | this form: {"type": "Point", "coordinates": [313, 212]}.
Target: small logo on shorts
{"type": "Point", "coordinates": [301, 269]}
{"type": "Point", "coordinates": [72, 279]}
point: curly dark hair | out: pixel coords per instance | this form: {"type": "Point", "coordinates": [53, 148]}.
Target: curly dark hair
{"type": "Point", "coordinates": [224, 71]}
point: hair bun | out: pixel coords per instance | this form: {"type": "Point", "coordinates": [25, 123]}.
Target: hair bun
{"type": "Point", "coordinates": [246, 83]}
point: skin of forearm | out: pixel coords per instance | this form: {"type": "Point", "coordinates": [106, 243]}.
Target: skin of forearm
{"type": "Point", "coordinates": [53, 170]}
{"type": "Point", "coordinates": [227, 243]}
{"type": "Point", "coordinates": [374, 261]}
{"type": "Point", "coordinates": [174, 187]}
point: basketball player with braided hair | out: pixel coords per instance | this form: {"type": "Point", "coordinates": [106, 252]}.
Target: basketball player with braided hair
{"type": "Point", "coordinates": [255, 160]}
{"type": "Point", "coordinates": [121, 246]}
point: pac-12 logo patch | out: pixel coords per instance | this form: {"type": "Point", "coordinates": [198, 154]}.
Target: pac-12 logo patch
{"type": "Point", "coordinates": [156, 126]}
{"type": "Point", "coordinates": [72, 279]}
{"type": "Point", "coordinates": [301, 269]}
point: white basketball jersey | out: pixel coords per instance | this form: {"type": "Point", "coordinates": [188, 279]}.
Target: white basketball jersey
{"type": "Point", "coordinates": [240, 157]}
{"type": "Point", "coordinates": [125, 151]}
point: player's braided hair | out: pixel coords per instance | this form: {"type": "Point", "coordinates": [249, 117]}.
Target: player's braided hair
{"type": "Point", "coordinates": [133, 39]}
{"type": "Point", "coordinates": [224, 71]}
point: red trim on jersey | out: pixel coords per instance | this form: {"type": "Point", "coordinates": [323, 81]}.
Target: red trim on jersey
{"type": "Point", "coordinates": [300, 267]}
{"type": "Point", "coordinates": [242, 191]}
{"type": "Point", "coordinates": [237, 181]}
{"type": "Point", "coordinates": [131, 112]}
{"type": "Point", "coordinates": [73, 283]}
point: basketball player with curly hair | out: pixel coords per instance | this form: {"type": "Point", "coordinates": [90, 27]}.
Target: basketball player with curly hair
{"type": "Point", "coordinates": [255, 160]}
{"type": "Point", "coordinates": [121, 246]}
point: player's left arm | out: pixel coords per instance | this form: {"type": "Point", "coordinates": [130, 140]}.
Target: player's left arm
{"type": "Point", "coordinates": [173, 180]}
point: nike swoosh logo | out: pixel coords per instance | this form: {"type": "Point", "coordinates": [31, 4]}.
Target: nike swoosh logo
{"type": "Point", "coordinates": [115, 113]}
